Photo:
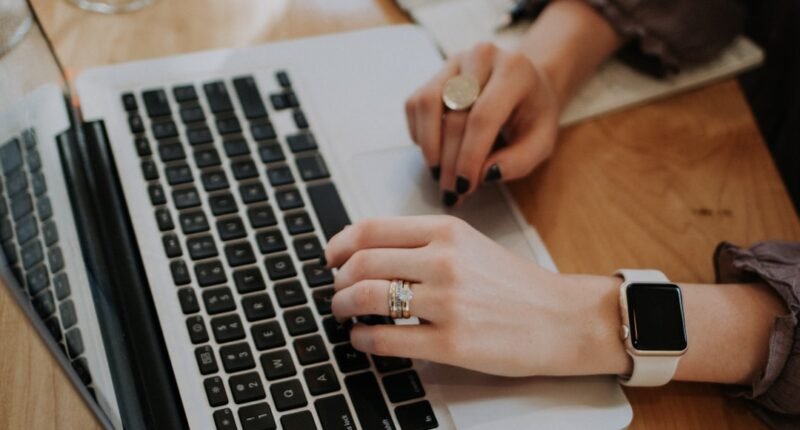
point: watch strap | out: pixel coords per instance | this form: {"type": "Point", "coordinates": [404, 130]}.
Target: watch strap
{"type": "Point", "coordinates": [642, 276]}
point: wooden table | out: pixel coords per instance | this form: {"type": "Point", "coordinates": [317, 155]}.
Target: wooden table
{"type": "Point", "coordinates": [656, 186]}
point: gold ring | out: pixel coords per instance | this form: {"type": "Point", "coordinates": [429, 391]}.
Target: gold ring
{"type": "Point", "coordinates": [460, 92]}
{"type": "Point", "coordinates": [400, 296]}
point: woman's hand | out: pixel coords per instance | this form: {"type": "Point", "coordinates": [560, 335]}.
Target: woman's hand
{"type": "Point", "coordinates": [517, 101]}
{"type": "Point", "coordinates": [481, 307]}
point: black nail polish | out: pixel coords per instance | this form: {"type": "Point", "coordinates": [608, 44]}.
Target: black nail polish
{"type": "Point", "coordinates": [462, 185]}
{"type": "Point", "coordinates": [449, 198]}
{"type": "Point", "coordinates": [493, 174]}
{"type": "Point", "coordinates": [436, 171]}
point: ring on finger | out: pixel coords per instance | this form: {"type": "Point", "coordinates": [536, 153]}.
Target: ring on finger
{"type": "Point", "coordinates": [400, 296]}
{"type": "Point", "coordinates": [460, 92]}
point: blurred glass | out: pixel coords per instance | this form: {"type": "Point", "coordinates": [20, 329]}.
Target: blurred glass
{"type": "Point", "coordinates": [111, 6]}
{"type": "Point", "coordinates": [15, 21]}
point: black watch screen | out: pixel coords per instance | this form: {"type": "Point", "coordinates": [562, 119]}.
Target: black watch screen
{"type": "Point", "coordinates": [655, 313]}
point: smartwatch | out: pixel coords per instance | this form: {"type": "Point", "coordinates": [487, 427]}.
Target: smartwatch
{"type": "Point", "coordinates": [653, 326]}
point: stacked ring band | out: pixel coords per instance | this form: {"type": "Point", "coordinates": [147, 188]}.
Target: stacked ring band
{"type": "Point", "coordinates": [400, 296]}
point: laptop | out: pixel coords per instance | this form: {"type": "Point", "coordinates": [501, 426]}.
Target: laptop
{"type": "Point", "coordinates": [162, 226]}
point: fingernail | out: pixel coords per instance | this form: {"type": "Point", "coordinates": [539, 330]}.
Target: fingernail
{"type": "Point", "coordinates": [436, 171]}
{"type": "Point", "coordinates": [449, 198]}
{"type": "Point", "coordinates": [462, 185]}
{"type": "Point", "coordinates": [493, 174]}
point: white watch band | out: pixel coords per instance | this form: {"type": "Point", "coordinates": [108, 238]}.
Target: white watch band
{"type": "Point", "coordinates": [648, 370]}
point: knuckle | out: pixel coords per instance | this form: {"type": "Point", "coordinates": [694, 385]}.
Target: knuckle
{"type": "Point", "coordinates": [484, 50]}
{"type": "Point", "coordinates": [428, 101]}
{"type": "Point", "coordinates": [479, 117]}
{"type": "Point", "coordinates": [515, 60]}
{"type": "Point", "coordinates": [362, 296]}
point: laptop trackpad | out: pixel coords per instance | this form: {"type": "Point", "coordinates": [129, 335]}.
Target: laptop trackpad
{"type": "Point", "coordinates": [396, 181]}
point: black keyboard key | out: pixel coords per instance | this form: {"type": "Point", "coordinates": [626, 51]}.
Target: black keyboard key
{"type": "Point", "coordinates": [207, 364]}
{"type": "Point", "coordinates": [312, 167]}
{"type": "Point", "coordinates": [267, 335]}
{"type": "Point", "coordinates": [171, 152]}
{"type": "Point", "coordinates": [323, 298]}
{"type": "Point", "coordinates": [231, 228]}
{"type": "Point", "coordinates": [135, 123]}
{"type": "Point", "coordinates": [288, 395]}
{"type": "Point", "coordinates": [81, 367]}
{"type": "Point", "coordinates": [29, 138]}
{"type": "Point", "coordinates": [218, 300]}
{"type": "Point", "coordinates": [236, 147]}
{"type": "Point", "coordinates": [248, 280]}
{"type": "Point", "coordinates": [218, 98]}
{"type": "Point", "coordinates": [201, 247]}
{"type": "Point", "coordinates": [197, 329]}
{"type": "Point", "coordinates": [278, 365]}
{"type": "Point", "coordinates": [184, 93]}
{"type": "Point", "coordinates": [280, 101]}
{"type": "Point", "coordinates": [302, 420]}
{"type": "Point", "coordinates": [193, 222]}
{"type": "Point", "coordinates": [375, 319]}
{"type": "Point", "coordinates": [180, 274]}
{"type": "Point", "coordinates": [44, 208]}
{"type": "Point", "coordinates": [321, 379]}
{"type": "Point", "coordinates": [228, 125]}
{"type": "Point", "coordinates": [253, 193]}
{"type": "Point", "coordinates": [50, 233]}
{"type": "Point", "coordinates": [329, 208]}
{"type": "Point", "coordinates": [32, 254]}
{"type": "Point", "coordinates": [283, 79]}
{"type": "Point", "coordinates": [349, 359]}
{"type": "Point", "coordinates": [34, 161]}
{"type": "Point", "coordinates": [317, 275]}
{"type": "Point", "coordinates": [199, 135]}
{"type": "Point", "coordinates": [215, 391]}
{"type": "Point", "coordinates": [227, 328]}
{"type": "Point", "coordinates": [56, 259]}
{"type": "Point", "coordinates": [6, 231]}
{"type": "Point", "coordinates": [300, 321]}
{"type": "Point", "coordinates": [156, 103]}
{"type": "Point", "coordinates": [237, 357]}
{"type": "Point", "coordinates": [164, 130]}
{"type": "Point", "coordinates": [172, 246]}
{"type": "Point", "coordinates": [308, 247]}
{"type": "Point", "coordinates": [270, 241]}
{"type": "Point", "coordinates": [61, 285]}
{"type": "Point", "coordinates": [38, 279]}
{"type": "Point", "coordinates": [27, 229]}
{"type": "Point", "coordinates": [298, 223]}
{"type": "Point", "coordinates": [300, 119]}
{"type": "Point", "coordinates": [334, 414]}
{"type": "Point", "coordinates": [263, 131]}
{"type": "Point", "coordinates": [156, 193]}
{"type": "Point", "coordinates": [222, 204]}
{"type": "Point", "coordinates": [214, 180]}
{"type": "Point", "coordinates": [192, 114]}
{"type": "Point", "coordinates": [16, 182]}
{"type": "Point", "coordinates": [390, 364]}
{"type": "Point", "coordinates": [239, 254]}
{"type": "Point", "coordinates": [250, 97]}
{"type": "Point", "coordinates": [142, 146]}
{"type": "Point", "coordinates": [368, 401]}
{"type": "Point", "coordinates": [416, 416]}
{"type": "Point", "coordinates": [45, 305]}
{"type": "Point", "coordinates": [22, 205]}
{"type": "Point", "coordinates": [186, 198]}
{"type": "Point", "coordinates": [74, 343]}
{"type": "Point", "coordinates": [290, 294]}
{"type": "Point", "coordinates": [258, 307]}
{"type": "Point", "coordinates": [244, 169]}
{"type": "Point", "coordinates": [336, 332]}
{"type": "Point", "coordinates": [246, 387]}
{"type": "Point", "coordinates": [38, 183]}
{"type": "Point", "coordinates": [224, 420]}
{"type": "Point", "coordinates": [271, 152]}
{"type": "Point", "coordinates": [149, 170]}
{"type": "Point", "coordinates": [129, 102]}
{"type": "Point", "coordinates": [301, 142]}
{"type": "Point", "coordinates": [289, 198]}
{"type": "Point", "coordinates": [261, 216]}
{"type": "Point", "coordinates": [188, 301]}
{"type": "Point", "coordinates": [280, 267]}
{"type": "Point", "coordinates": [206, 158]}
{"type": "Point", "coordinates": [403, 386]}
{"type": "Point", "coordinates": [310, 350]}
{"type": "Point", "coordinates": [257, 417]}
{"type": "Point", "coordinates": [179, 174]}
{"type": "Point", "coordinates": [210, 273]}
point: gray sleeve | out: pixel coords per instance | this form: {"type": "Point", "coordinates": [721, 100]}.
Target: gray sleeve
{"type": "Point", "coordinates": [775, 392]}
{"type": "Point", "coordinates": [667, 35]}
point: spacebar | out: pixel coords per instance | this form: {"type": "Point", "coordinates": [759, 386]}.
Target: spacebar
{"type": "Point", "coordinates": [329, 208]}
{"type": "Point", "coordinates": [368, 401]}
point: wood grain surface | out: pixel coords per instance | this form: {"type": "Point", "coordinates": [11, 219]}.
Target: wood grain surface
{"type": "Point", "coordinates": [655, 186]}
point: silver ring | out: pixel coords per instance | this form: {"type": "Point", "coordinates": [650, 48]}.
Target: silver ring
{"type": "Point", "coordinates": [400, 296]}
{"type": "Point", "coordinates": [460, 92]}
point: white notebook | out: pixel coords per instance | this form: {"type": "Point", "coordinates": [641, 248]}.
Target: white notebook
{"type": "Point", "coordinates": [457, 25]}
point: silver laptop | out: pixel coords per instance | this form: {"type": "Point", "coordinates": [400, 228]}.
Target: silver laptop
{"type": "Point", "coordinates": [163, 226]}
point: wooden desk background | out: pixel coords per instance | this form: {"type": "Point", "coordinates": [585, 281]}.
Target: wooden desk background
{"type": "Point", "coordinates": [656, 186]}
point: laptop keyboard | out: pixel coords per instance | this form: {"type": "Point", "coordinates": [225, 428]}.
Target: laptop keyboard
{"type": "Point", "coordinates": [233, 224]}
{"type": "Point", "coordinates": [31, 245]}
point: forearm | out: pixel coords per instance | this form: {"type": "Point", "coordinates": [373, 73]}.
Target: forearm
{"type": "Point", "coordinates": [568, 41]}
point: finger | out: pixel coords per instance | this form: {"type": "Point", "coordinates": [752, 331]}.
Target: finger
{"type": "Point", "coordinates": [486, 118]}
{"type": "Point", "coordinates": [389, 232]}
{"type": "Point", "coordinates": [410, 341]}
{"type": "Point", "coordinates": [428, 108]}
{"type": "Point", "coordinates": [383, 263]}
{"type": "Point", "coordinates": [452, 132]}
{"type": "Point", "coordinates": [371, 297]}
{"type": "Point", "coordinates": [520, 157]}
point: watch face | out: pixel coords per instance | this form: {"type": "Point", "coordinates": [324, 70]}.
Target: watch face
{"type": "Point", "coordinates": [655, 313]}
